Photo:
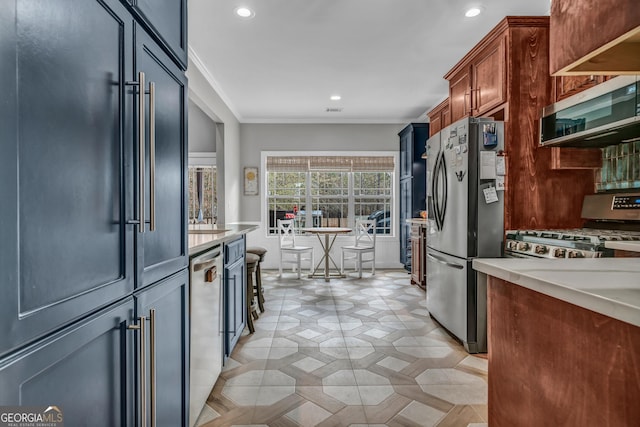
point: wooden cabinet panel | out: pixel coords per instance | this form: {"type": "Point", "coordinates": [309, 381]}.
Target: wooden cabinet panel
{"type": "Point", "coordinates": [439, 117]}
{"type": "Point", "coordinates": [552, 360]}
{"type": "Point", "coordinates": [583, 33]}
{"type": "Point", "coordinates": [565, 86]}
{"type": "Point", "coordinates": [459, 95]}
{"type": "Point", "coordinates": [488, 87]}
{"type": "Point", "coordinates": [418, 254]}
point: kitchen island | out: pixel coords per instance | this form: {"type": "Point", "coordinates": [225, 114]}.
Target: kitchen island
{"type": "Point", "coordinates": [203, 239]}
{"type": "Point", "coordinates": [564, 341]}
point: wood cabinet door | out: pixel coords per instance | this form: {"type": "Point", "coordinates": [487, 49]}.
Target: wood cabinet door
{"type": "Point", "coordinates": [163, 250]}
{"type": "Point", "coordinates": [167, 20]}
{"type": "Point", "coordinates": [86, 370]}
{"type": "Point", "coordinates": [66, 242]}
{"type": "Point", "coordinates": [435, 123]}
{"type": "Point", "coordinates": [169, 299]}
{"type": "Point", "coordinates": [446, 117]}
{"type": "Point", "coordinates": [459, 95]}
{"type": "Point", "coordinates": [489, 79]}
{"type": "Point", "coordinates": [570, 85]}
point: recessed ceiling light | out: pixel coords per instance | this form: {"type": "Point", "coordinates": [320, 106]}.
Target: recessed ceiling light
{"type": "Point", "coordinates": [473, 11]}
{"type": "Point", "coordinates": [244, 12]}
{"type": "Point", "coordinates": [336, 97]}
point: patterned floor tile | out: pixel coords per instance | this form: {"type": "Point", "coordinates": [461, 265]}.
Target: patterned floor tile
{"type": "Point", "coordinates": [348, 352]}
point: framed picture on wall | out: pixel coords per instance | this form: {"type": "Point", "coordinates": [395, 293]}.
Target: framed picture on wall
{"type": "Point", "coordinates": [250, 181]}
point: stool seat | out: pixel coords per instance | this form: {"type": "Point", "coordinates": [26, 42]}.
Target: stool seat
{"type": "Point", "coordinates": [251, 258]}
{"type": "Point", "coordinates": [257, 250]}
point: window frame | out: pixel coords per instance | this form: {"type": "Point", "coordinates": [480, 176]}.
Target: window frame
{"type": "Point", "coordinates": [394, 204]}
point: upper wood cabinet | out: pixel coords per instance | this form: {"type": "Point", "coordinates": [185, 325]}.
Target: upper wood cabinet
{"type": "Point", "coordinates": [505, 76]}
{"type": "Point", "coordinates": [439, 117]}
{"type": "Point", "coordinates": [478, 83]}
{"type": "Point", "coordinates": [565, 86]}
{"type": "Point", "coordinates": [594, 37]}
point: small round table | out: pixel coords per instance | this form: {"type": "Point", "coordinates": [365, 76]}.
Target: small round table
{"type": "Point", "coordinates": [326, 246]}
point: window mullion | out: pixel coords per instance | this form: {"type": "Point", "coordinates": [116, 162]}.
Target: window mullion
{"type": "Point", "coordinates": [308, 206]}
{"type": "Point", "coordinates": [351, 202]}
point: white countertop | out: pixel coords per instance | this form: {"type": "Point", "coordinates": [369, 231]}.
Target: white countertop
{"type": "Point", "coordinates": [609, 286]}
{"type": "Point", "coordinates": [625, 246]}
{"type": "Point", "coordinates": [202, 240]}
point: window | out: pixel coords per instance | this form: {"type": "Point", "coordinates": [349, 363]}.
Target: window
{"type": "Point", "coordinates": [329, 191]}
{"type": "Point", "coordinates": [203, 199]}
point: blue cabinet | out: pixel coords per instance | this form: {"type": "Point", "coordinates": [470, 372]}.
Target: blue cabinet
{"type": "Point", "coordinates": [234, 293]}
{"type": "Point", "coordinates": [413, 193]}
{"type": "Point", "coordinates": [83, 255]}
{"type": "Point", "coordinates": [87, 370]}
{"type": "Point", "coordinates": [65, 165]}
{"type": "Point", "coordinates": [167, 21]}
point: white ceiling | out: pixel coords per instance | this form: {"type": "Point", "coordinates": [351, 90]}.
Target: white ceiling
{"type": "Point", "coordinates": [386, 58]}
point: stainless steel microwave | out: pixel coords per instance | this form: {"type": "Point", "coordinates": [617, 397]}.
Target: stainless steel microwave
{"type": "Point", "coordinates": [606, 114]}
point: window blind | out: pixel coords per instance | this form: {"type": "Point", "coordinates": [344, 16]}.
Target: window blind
{"type": "Point", "coordinates": [330, 163]}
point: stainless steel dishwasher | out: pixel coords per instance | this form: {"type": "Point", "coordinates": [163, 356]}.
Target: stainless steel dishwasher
{"type": "Point", "coordinates": [205, 302]}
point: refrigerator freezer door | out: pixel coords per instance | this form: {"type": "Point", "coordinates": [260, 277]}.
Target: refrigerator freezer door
{"type": "Point", "coordinates": [456, 299]}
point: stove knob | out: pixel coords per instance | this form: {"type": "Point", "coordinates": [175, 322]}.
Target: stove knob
{"type": "Point", "coordinates": [524, 246]}
{"type": "Point", "coordinates": [576, 254]}
{"type": "Point", "coordinates": [541, 249]}
{"type": "Point", "coordinates": [511, 244]}
{"type": "Point", "coordinates": [559, 253]}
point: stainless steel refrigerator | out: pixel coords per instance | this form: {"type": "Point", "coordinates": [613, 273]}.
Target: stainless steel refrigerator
{"type": "Point", "coordinates": [465, 202]}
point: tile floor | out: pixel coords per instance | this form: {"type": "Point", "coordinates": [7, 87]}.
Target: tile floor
{"type": "Point", "coordinates": [351, 352]}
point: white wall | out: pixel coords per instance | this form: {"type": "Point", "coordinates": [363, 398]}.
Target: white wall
{"type": "Point", "coordinates": [202, 94]}
{"type": "Point", "coordinates": [256, 138]}
{"type": "Point", "coordinates": [202, 131]}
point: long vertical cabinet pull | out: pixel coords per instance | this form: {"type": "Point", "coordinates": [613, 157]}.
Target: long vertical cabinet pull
{"type": "Point", "coordinates": [152, 364]}
{"type": "Point", "coordinates": [141, 143]}
{"type": "Point", "coordinates": [152, 154]}
{"type": "Point", "coordinates": [142, 357]}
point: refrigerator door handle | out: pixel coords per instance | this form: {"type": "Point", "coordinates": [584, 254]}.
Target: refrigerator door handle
{"type": "Point", "coordinates": [445, 262]}
{"type": "Point", "coordinates": [443, 209]}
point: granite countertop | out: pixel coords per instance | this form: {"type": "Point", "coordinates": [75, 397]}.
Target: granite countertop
{"type": "Point", "coordinates": [609, 286]}
{"type": "Point", "coordinates": [625, 246]}
{"type": "Point", "coordinates": [202, 240]}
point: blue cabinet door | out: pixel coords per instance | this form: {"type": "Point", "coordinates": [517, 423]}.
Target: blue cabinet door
{"type": "Point", "coordinates": [85, 370]}
{"type": "Point", "coordinates": [162, 250]}
{"type": "Point", "coordinates": [67, 248]}
{"type": "Point", "coordinates": [235, 296]}
{"type": "Point", "coordinates": [167, 20]}
{"type": "Point", "coordinates": [169, 302]}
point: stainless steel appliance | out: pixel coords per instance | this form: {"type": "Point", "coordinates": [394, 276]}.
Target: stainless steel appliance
{"type": "Point", "coordinates": [608, 217]}
{"type": "Point", "coordinates": [205, 304]}
{"type": "Point", "coordinates": [465, 221]}
{"type": "Point", "coordinates": [602, 115]}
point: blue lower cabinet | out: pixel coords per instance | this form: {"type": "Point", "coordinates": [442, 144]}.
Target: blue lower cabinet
{"type": "Point", "coordinates": [234, 293]}
{"type": "Point", "coordinates": [87, 371]}
{"type": "Point", "coordinates": [165, 309]}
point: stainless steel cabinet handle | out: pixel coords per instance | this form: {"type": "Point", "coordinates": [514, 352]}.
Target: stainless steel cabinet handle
{"type": "Point", "coordinates": [152, 364]}
{"type": "Point", "coordinates": [441, 261]}
{"type": "Point", "coordinates": [142, 358]}
{"type": "Point", "coordinates": [152, 154]}
{"type": "Point", "coordinates": [141, 143]}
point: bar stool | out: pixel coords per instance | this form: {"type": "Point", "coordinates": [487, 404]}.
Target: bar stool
{"type": "Point", "coordinates": [257, 250]}
{"type": "Point", "coordinates": [252, 261]}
